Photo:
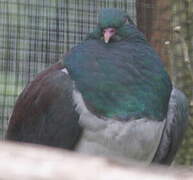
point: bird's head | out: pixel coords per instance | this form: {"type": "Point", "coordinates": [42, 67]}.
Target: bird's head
{"type": "Point", "coordinates": [111, 24]}
{"type": "Point", "coordinates": [110, 20]}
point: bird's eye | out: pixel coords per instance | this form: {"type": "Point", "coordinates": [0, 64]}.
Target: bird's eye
{"type": "Point", "coordinates": [110, 30]}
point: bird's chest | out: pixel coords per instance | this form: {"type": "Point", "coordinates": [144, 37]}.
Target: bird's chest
{"type": "Point", "coordinates": [135, 140]}
{"type": "Point", "coordinates": [115, 81]}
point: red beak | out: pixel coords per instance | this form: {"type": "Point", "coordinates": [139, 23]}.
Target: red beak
{"type": "Point", "coordinates": [108, 33]}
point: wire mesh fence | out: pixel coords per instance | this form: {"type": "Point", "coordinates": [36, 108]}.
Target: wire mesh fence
{"type": "Point", "coordinates": [36, 33]}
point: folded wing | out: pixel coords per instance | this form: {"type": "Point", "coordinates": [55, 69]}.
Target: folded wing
{"type": "Point", "coordinates": [175, 126]}
{"type": "Point", "coordinates": [44, 112]}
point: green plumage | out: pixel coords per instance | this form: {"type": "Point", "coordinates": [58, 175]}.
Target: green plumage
{"type": "Point", "coordinates": [123, 79]}
{"type": "Point", "coordinates": [110, 17]}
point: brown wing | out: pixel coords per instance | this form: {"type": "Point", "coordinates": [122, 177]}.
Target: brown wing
{"type": "Point", "coordinates": [44, 112]}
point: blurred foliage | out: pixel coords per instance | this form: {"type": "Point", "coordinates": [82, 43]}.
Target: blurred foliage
{"type": "Point", "coordinates": [181, 65]}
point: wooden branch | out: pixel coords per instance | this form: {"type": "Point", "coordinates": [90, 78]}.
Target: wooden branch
{"type": "Point", "coordinates": [30, 162]}
{"type": "Point", "coordinates": [187, 61]}
{"type": "Point", "coordinates": [173, 72]}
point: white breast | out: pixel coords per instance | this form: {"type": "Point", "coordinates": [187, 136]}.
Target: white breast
{"type": "Point", "coordinates": [137, 139]}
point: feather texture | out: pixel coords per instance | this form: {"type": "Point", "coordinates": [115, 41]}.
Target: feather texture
{"type": "Point", "coordinates": [121, 80]}
{"type": "Point", "coordinates": [175, 126]}
{"type": "Point", "coordinates": [44, 112]}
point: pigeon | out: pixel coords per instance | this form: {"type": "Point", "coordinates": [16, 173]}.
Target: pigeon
{"type": "Point", "coordinates": [109, 96]}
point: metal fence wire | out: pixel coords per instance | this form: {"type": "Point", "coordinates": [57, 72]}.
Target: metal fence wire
{"type": "Point", "coordinates": [36, 33]}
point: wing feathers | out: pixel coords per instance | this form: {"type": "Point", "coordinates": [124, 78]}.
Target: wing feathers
{"type": "Point", "coordinates": [175, 126]}
{"type": "Point", "coordinates": [44, 113]}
